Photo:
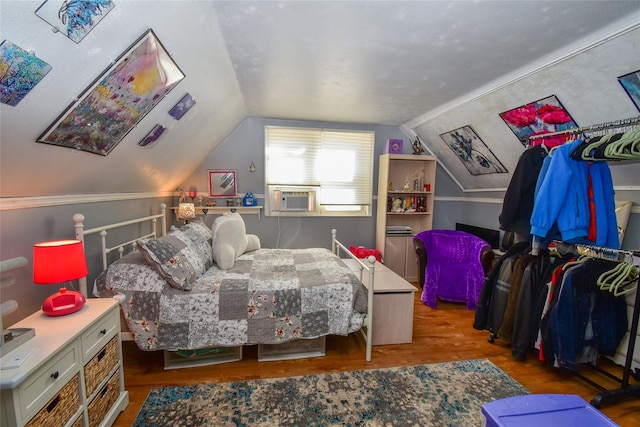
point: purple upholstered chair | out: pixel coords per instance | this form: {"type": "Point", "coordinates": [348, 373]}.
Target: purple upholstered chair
{"type": "Point", "coordinates": [455, 264]}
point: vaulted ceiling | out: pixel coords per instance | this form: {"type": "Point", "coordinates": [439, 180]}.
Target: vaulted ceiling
{"type": "Point", "coordinates": [370, 62]}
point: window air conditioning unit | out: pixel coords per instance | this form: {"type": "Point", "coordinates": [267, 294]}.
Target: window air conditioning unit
{"type": "Point", "coordinates": [292, 200]}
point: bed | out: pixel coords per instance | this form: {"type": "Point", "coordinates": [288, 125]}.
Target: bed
{"type": "Point", "coordinates": [174, 297]}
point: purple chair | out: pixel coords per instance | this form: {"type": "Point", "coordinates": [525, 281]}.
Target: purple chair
{"type": "Point", "coordinates": [454, 265]}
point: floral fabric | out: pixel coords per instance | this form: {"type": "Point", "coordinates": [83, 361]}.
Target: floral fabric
{"type": "Point", "coordinates": [269, 296]}
{"type": "Point", "coordinates": [181, 256]}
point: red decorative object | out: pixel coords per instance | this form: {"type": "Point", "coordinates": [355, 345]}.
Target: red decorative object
{"type": "Point", "coordinates": [60, 261]}
{"type": "Point", "coordinates": [546, 115]}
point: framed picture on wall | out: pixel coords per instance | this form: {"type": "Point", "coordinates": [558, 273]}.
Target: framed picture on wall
{"type": "Point", "coordinates": [21, 72]}
{"type": "Point", "coordinates": [631, 84]}
{"type": "Point", "coordinates": [153, 136]}
{"type": "Point", "coordinates": [542, 116]}
{"type": "Point", "coordinates": [181, 108]}
{"type": "Point", "coordinates": [117, 100]}
{"type": "Point", "coordinates": [222, 183]}
{"type": "Point", "coordinates": [472, 151]}
{"type": "Point", "coordinates": [74, 18]}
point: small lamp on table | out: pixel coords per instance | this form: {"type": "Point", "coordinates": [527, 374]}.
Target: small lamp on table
{"type": "Point", "coordinates": [60, 261]}
{"type": "Point", "coordinates": [186, 211]}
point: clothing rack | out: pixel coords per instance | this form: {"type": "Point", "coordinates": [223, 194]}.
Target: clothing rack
{"type": "Point", "coordinates": [616, 124]}
{"type": "Point", "coordinates": [625, 390]}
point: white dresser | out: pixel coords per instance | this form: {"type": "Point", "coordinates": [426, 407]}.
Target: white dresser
{"type": "Point", "coordinates": [74, 377]}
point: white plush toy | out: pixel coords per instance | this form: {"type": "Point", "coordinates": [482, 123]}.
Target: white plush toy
{"type": "Point", "coordinates": [229, 239]}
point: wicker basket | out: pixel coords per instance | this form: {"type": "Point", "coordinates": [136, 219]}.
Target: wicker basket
{"type": "Point", "coordinates": [99, 367]}
{"type": "Point", "coordinates": [60, 408]}
{"type": "Point", "coordinates": [104, 400]}
{"type": "Point", "coordinates": [78, 422]}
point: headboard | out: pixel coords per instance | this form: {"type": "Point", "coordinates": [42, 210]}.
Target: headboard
{"type": "Point", "coordinates": [81, 233]}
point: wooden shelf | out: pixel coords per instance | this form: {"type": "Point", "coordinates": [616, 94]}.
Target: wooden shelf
{"type": "Point", "coordinates": [219, 210]}
{"type": "Point", "coordinates": [394, 171]}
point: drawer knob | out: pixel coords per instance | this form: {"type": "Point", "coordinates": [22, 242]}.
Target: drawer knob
{"type": "Point", "coordinates": [103, 332]}
{"type": "Point", "coordinates": [55, 375]}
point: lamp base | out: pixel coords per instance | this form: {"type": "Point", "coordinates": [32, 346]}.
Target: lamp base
{"type": "Point", "coordinates": [63, 302]}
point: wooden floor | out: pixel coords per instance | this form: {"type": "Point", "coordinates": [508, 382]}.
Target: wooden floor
{"type": "Point", "coordinates": [440, 335]}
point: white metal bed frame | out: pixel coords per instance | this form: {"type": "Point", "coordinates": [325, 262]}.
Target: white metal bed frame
{"type": "Point", "coordinates": [336, 247]}
{"type": "Point", "coordinates": [80, 232]}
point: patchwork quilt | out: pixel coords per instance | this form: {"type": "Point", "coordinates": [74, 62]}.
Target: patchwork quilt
{"type": "Point", "coordinates": [269, 296]}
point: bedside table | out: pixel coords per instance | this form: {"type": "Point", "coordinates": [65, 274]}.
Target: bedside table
{"type": "Point", "coordinates": [74, 377]}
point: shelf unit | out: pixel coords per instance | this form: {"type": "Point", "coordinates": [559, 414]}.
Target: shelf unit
{"type": "Point", "coordinates": [396, 170]}
{"type": "Point", "coordinates": [219, 210]}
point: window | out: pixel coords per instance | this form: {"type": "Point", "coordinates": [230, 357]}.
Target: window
{"type": "Point", "coordinates": [339, 162]}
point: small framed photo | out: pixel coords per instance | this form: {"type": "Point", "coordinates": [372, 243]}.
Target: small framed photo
{"type": "Point", "coordinates": [181, 108]}
{"type": "Point", "coordinates": [631, 84]}
{"type": "Point", "coordinates": [222, 183]}
{"type": "Point", "coordinates": [153, 136]}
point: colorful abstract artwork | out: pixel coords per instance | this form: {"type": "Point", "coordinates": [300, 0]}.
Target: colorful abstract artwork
{"type": "Point", "coordinates": [153, 136]}
{"type": "Point", "coordinates": [20, 71]}
{"type": "Point", "coordinates": [472, 151]}
{"type": "Point", "coordinates": [117, 100]}
{"type": "Point", "coordinates": [181, 108]}
{"type": "Point", "coordinates": [74, 18]}
{"type": "Point", "coordinates": [543, 116]}
{"type": "Point", "coordinates": [631, 84]}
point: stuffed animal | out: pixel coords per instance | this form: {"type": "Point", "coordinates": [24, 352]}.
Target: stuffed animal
{"type": "Point", "coordinates": [229, 239]}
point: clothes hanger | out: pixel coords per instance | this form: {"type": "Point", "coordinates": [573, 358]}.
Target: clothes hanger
{"type": "Point", "coordinates": [607, 279]}
{"type": "Point", "coordinates": [627, 282]}
{"type": "Point", "coordinates": [621, 149]}
{"type": "Point", "coordinates": [579, 260]}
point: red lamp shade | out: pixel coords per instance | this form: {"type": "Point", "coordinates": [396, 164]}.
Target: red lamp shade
{"type": "Point", "coordinates": [57, 262]}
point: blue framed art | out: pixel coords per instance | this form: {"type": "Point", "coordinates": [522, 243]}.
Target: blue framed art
{"type": "Point", "coordinates": [20, 71]}
{"type": "Point", "coordinates": [74, 18]}
{"type": "Point", "coordinates": [631, 84]}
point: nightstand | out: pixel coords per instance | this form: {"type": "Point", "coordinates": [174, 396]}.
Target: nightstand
{"type": "Point", "coordinates": [74, 377]}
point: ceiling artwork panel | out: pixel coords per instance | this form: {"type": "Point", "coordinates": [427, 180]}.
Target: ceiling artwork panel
{"type": "Point", "coordinates": [74, 19]}
{"type": "Point", "coordinates": [472, 151]}
{"type": "Point", "coordinates": [117, 100]}
{"type": "Point", "coordinates": [545, 115]}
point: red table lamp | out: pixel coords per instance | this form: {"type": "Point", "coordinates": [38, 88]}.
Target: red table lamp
{"type": "Point", "coordinates": [60, 261]}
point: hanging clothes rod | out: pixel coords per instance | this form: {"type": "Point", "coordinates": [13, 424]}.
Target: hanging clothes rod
{"type": "Point", "coordinates": [619, 255]}
{"type": "Point", "coordinates": [600, 126]}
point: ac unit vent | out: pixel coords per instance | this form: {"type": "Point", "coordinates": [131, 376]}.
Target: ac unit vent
{"type": "Point", "coordinates": [292, 200]}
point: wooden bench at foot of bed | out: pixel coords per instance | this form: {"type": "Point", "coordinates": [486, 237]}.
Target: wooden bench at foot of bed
{"type": "Point", "coordinates": [392, 305]}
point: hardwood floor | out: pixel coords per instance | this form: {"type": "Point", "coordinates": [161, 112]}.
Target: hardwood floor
{"type": "Point", "coordinates": [440, 335]}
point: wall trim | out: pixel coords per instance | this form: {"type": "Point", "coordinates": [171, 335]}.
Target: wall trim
{"type": "Point", "coordinates": [12, 203]}
{"type": "Point", "coordinates": [635, 208]}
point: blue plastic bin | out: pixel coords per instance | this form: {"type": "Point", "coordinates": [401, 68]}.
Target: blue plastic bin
{"type": "Point", "coordinates": [548, 410]}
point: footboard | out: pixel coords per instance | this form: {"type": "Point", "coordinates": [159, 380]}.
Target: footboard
{"type": "Point", "coordinates": [336, 246]}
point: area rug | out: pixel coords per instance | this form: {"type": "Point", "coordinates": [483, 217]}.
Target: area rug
{"type": "Point", "coordinates": [442, 394]}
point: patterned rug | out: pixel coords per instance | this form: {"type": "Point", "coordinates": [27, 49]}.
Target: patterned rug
{"type": "Point", "coordinates": [442, 394]}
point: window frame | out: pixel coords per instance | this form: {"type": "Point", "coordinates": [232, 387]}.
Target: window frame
{"type": "Point", "coordinates": [326, 139]}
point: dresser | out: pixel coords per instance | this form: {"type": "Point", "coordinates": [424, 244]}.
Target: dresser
{"type": "Point", "coordinates": [74, 376]}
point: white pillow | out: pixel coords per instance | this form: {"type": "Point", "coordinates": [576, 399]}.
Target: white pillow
{"type": "Point", "coordinates": [230, 239]}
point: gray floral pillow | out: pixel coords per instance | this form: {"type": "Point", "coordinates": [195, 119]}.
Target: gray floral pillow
{"type": "Point", "coordinates": [200, 235]}
{"type": "Point", "coordinates": [176, 258]}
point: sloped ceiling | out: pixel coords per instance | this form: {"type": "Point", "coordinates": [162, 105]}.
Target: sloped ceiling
{"type": "Point", "coordinates": [382, 62]}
